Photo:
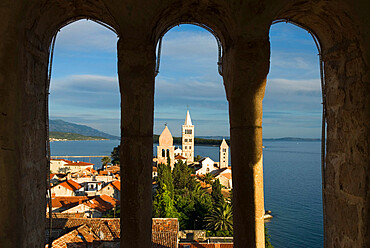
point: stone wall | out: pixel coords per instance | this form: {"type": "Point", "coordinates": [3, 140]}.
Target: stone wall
{"type": "Point", "coordinates": [342, 28]}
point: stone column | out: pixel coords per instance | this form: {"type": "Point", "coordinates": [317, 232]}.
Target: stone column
{"type": "Point", "coordinates": [246, 66]}
{"type": "Point", "coordinates": [23, 163]}
{"type": "Point", "coordinates": [136, 63]}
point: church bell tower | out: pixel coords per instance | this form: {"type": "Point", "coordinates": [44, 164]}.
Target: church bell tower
{"type": "Point", "coordinates": [188, 139]}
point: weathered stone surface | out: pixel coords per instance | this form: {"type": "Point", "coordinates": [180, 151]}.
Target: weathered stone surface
{"type": "Point", "coordinates": [342, 28]}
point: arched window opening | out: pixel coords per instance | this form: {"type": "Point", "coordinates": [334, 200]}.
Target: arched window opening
{"type": "Point", "coordinates": [84, 122]}
{"type": "Point", "coordinates": [292, 130]}
{"type": "Point", "coordinates": [190, 100]}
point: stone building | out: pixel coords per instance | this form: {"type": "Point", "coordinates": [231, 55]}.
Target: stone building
{"type": "Point", "coordinates": [188, 139]}
{"type": "Point", "coordinates": [224, 155]}
{"type": "Point", "coordinates": [166, 149]}
{"type": "Point", "coordinates": [242, 28]}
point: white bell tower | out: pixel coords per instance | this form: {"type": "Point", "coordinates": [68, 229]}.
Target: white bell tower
{"type": "Point", "coordinates": [188, 139]}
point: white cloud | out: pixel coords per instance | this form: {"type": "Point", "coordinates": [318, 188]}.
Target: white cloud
{"type": "Point", "coordinates": [190, 44]}
{"type": "Point", "coordinates": [86, 35]}
{"type": "Point", "coordinates": [85, 83]}
{"type": "Point", "coordinates": [288, 85]}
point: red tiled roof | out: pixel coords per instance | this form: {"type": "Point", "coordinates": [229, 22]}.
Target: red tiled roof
{"type": "Point", "coordinates": [164, 230]}
{"type": "Point", "coordinates": [109, 199]}
{"type": "Point", "coordinates": [82, 234]}
{"type": "Point", "coordinates": [70, 184]}
{"type": "Point", "coordinates": [67, 201]}
{"type": "Point", "coordinates": [99, 204]}
{"type": "Point", "coordinates": [179, 157]}
{"type": "Point", "coordinates": [117, 184]}
{"type": "Point", "coordinates": [227, 175]}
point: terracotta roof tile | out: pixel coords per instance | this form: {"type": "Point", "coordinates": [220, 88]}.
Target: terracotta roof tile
{"type": "Point", "coordinates": [67, 201]}
{"type": "Point", "coordinates": [117, 184]}
{"type": "Point", "coordinates": [70, 184]}
{"type": "Point", "coordinates": [164, 230]}
{"type": "Point", "coordinates": [82, 234]}
{"type": "Point", "coordinates": [179, 157]}
{"type": "Point", "coordinates": [98, 204]}
{"type": "Point", "coordinates": [109, 199]}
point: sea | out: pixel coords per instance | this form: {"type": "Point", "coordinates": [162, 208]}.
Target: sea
{"type": "Point", "coordinates": [292, 185]}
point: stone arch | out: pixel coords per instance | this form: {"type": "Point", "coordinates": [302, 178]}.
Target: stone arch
{"type": "Point", "coordinates": [343, 53]}
{"type": "Point", "coordinates": [35, 35]}
{"type": "Point", "coordinates": [213, 15]}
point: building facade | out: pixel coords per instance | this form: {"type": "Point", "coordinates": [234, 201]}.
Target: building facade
{"type": "Point", "coordinates": [166, 149]}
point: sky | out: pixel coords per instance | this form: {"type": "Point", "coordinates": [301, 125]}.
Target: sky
{"type": "Point", "coordinates": [84, 87]}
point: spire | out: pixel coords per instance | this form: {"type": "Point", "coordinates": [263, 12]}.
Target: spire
{"type": "Point", "coordinates": [166, 139]}
{"type": "Point", "coordinates": [224, 143]}
{"type": "Point", "coordinates": [188, 119]}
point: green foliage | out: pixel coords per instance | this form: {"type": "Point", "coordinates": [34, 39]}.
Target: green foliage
{"type": "Point", "coordinates": [208, 178]}
{"type": "Point", "coordinates": [267, 239]}
{"type": "Point", "coordinates": [115, 155]}
{"type": "Point", "coordinates": [193, 206]}
{"type": "Point", "coordinates": [217, 197]}
{"type": "Point", "coordinates": [163, 203]}
{"type": "Point", "coordinates": [113, 213]}
{"type": "Point", "coordinates": [182, 176]}
{"type": "Point", "coordinates": [197, 158]}
{"type": "Point", "coordinates": [105, 161]}
{"type": "Point", "coordinates": [220, 218]}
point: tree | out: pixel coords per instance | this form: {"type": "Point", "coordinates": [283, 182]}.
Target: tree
{"type": "Point", "coordinates": [208, 178]}
{"type": "Point", "coordinates": [197, 158]}
{"type": "Point", "coordinates": [105, 161]}
{"type": "Point", "coordinates": [220, 218]}
{"type": "Point", "coordinates": [217, 197]}
{"type": "Point", "coordinates": [182, 176]}
{"type": "Point", "coordinates": [115, 155]}
{"type": "Point", "coordinates": [163, 203]}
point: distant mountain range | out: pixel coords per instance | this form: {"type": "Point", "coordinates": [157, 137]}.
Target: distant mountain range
{"type": "Point", "coordinates": [67, 127]}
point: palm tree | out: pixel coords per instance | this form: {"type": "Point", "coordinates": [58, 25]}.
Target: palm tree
{"type": "Point", "coordinates": [105, 161]}
{"type": "Point", "coordinates": [220, 219]}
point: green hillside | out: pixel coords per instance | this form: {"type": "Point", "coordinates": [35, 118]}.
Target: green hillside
{"type": "Point", "coordinates": [73, 136]}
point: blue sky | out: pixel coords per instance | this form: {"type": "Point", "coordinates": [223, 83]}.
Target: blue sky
{"type": "Point", "coordinates": [84, 87]}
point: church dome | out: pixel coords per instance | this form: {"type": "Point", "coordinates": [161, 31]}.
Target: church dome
{"type": "Point", "coordinates": [166, 139]}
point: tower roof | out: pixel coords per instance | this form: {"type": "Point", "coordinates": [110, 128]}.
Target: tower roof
{"type": "Point", "coordinates": [166, 139]}
{"type": "Point", "coordinates": [224, 143]}
{"type": "Point", "coordinates": [188, 119]}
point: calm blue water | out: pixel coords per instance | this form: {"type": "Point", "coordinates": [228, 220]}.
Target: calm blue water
{"type": "Point", "coordinates": [292, 179]}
